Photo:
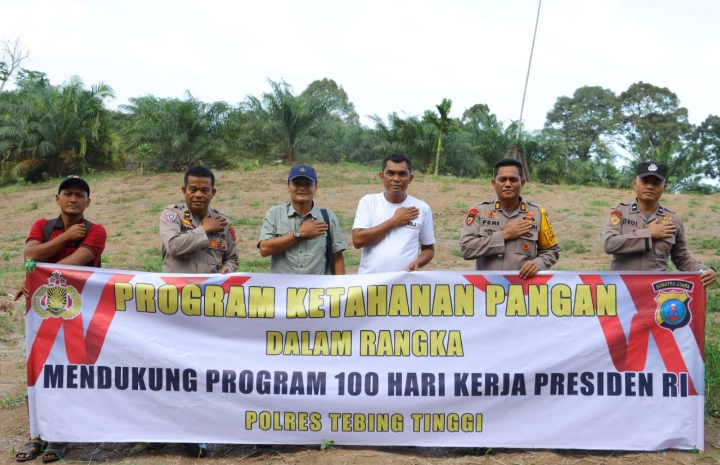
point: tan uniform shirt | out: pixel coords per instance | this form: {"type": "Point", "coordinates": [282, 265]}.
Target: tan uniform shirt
{"type": "Point", "coordinates": [627, 238]}
{"type": "Point", "coordinates": [186, 248]}
{"type": "Point", "coordinates": [482, 237]}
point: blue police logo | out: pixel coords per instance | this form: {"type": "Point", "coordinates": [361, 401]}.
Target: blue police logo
{"type": "Point", "coordinates": [672, 311]}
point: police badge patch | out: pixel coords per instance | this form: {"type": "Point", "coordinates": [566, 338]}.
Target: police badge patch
{"type": "Point", "coordinates": [615, 218]}
{"type": "Point", "coordinates": [470, 218]}
{"type": "Point", "coordinates": [171, 216]}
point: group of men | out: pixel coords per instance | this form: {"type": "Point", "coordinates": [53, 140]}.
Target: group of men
{"type": "Point", "coordinates": [394, 229]}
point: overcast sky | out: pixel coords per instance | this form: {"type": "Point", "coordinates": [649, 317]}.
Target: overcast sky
{"type": "Point", "coordinates": [388, 55]}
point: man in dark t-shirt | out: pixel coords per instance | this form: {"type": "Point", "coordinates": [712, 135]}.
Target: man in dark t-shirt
{"type": "Point", "coordinates": [69, 240]}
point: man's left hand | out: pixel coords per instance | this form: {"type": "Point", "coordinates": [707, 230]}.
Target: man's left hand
{"type": "Point", "coordinates": [414, 266]}
{"type": "Point", "coordinates": [23, 291]}
{"type": "Point", "coordinates": [224, 270]}
{"type": "Point", "coordinates": [529, 269]}
{"type": "Point", "coordinates": [709, 277]}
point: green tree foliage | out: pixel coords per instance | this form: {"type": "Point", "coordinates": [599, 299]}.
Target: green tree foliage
{"type": "Point", "coordinates": [334, 98]}
{"type": "Point", "coordinates": [419, 141]}
{"type": "Point", "coordinates": [487, 138]}
{"type": "Point", "coordinates": [55, 129]}
{"type": "Point", "coordinates": [587, 122]}
{"type": "Point", "coordinates": [685, 172]}
{"type": "Point", "coordinates": [652, 116]}
{"type": "Point", "coordinates": [48, 130]}
{"type": "Point", "coordinates": [337, 135]}
{"type": "Point", "coordinates": [174, 135]}
{"type": "Point", "coordinates": [280, 122]}
{"type": "Point", "coordinates": [707, 139]}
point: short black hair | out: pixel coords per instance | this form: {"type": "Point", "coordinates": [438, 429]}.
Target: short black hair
{"type": "Point", "coordinates": [509, 162]}
{"type": "Point", "coordinates": [397, 158]}
{"type": "Point", "coordinates": [200, 172]}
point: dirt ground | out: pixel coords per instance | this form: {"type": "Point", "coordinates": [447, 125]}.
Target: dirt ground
{"type": "Point", "coordinates": [129, 205]}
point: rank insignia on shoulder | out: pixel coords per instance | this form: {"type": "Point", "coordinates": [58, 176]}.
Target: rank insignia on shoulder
{"type": "Point", "coordinates": [470, 218]}
{"type": "Point", "coordinates": [171, 216]}
{"type": "Point", "coordinates": [232, 232]}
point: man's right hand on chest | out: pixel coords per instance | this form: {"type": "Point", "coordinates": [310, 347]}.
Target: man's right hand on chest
{"type": "Point", "coordinates": [215, 223]}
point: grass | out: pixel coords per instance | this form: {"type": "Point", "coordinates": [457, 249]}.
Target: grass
{"type": "Point", "coordinates": [252, 266]}
{"type": "Point", "coordinates": [350, 259]}
{"type": "Point", "coordinates": [571, 245]}
{"type": "Point", "coordinates": [245, 221]}
{"type": "Point", "coordinates": [711, 243]}
{"type": "Point", "coordinates": [31, 207]}
{"type": "Point", "coordinates": [152, 259]}
{"type": "Point", "coordinates": [128, 198]}
{"type": "Point", "coordinates": [156, 208]}
{"type": "Point", "coordinates": [712, 370]}
{"type": "Point", "coordinates": [599, 203]}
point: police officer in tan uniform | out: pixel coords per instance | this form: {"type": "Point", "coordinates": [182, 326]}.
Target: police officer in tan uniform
{"type": "Point", "coordinates": [195, 237]}
{"type": "Point", "coordinates": [642, 235]}
{"type": "Point", "coordinates": [509, 233]}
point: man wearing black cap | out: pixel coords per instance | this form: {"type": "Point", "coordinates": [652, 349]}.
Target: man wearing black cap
{"type": "Point", "coordinates": [295, 234]}
{"type": "Point", "coordinates": [642, 235]}
{"type": "Point", "coordinates": [69, 239]}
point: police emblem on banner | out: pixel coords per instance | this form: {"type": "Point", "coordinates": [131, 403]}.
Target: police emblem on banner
{"type": "Point", "coordinates": [672, 310]}
{"type": "Point", "coordinates": [57, 299]}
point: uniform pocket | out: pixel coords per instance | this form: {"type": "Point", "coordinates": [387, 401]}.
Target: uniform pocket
{"type": "Point", "coordinates": [525, 246]}
{"type": "Point", "coordinates": [662, 249]}
{"type": "Point", "coordinates": [214, 261]}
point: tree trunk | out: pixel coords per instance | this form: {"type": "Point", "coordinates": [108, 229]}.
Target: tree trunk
{"type": "Point", "coordinates": [437, 157]}
{"type": "Point", "coordinates": [515, 153]}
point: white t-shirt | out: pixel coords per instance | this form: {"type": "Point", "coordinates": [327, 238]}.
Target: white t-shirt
{"type": "Point", "coordinates": [400, 247]}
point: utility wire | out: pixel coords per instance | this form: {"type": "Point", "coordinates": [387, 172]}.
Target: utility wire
{"type": "Point", "coordinates": [527, 77]}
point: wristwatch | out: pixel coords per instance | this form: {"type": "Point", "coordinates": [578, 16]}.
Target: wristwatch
{"type": "Point", "coordinates": [297, 235]}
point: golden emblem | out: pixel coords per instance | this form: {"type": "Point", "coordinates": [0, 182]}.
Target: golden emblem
{"type": "Point", "coordinates": [57, 300]}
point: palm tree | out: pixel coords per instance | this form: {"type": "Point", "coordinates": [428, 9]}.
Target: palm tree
{"type": "Point", "coordinates": [177, 134]}
{"type": "Point", "coordinates": [56, 129]}
{"type": "Point", "coordinates": [443, 123]}
{"type": "Point", "coordinates": [282, 121]}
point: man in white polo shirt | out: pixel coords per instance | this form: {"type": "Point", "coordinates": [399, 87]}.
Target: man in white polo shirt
{"type": "Point", "coordinates": [390, 226]}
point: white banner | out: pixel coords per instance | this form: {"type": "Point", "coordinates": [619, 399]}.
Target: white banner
{"type": "Point", "coordinates": [563, 360]}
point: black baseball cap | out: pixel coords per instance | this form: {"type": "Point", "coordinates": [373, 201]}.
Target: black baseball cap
{"type": "Point", "coordinates": [652, 168]}
{"type": "Point", "coordinates": [74, 180]}
{"type": "Point", "coordinates": [302, 171]}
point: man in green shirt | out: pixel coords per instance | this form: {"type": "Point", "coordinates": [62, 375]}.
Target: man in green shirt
{"type": "Point", "coordinates": [295, 234]}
